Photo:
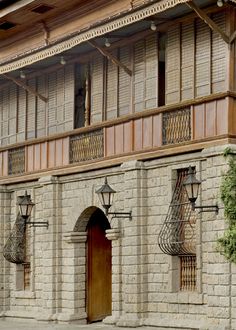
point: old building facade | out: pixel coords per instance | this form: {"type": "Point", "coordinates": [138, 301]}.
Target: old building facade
{"type": "Point", "coordinates": [135, 92]}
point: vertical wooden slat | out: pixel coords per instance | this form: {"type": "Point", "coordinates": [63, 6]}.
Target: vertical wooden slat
{"type": "Point", "coordinates": [222, 117]}
{"type": "Point", "coordinates": [210, 108]}
{"type": "Point", "coordinates": [51, 154]}
{"type": "Point", "coordinates": [128, 136]}
{"type": "Point", "coordinates": [124, 83]}
{"type": "Point", "coordinates": [12, 112]}
{"type": "Point", "coordinates": [147, 132]}
{"type": "Point", "coordinates": [203, 59]}
{"type": "Point", "coordinates": [157, 130]}
{"type": "Point", "coordinates": [109, 141]}
{"type": "Point", "coordinates": [97, 83]}
{"type": "Point", "coordinates": [199, 121]}
{"type": "Point", "coordinates": [30, 160]}
{"type": "Point", "coordinates": [60, 112]}
{"type": "Point", "coordinates": [44, 155]}
{"type": "Point", "coordinates": [119, 139]}
{"type": "Point", "coordinates": [59, 151]}
{"type": "Point", "coordinates": [37, 157]}
{"type": "Point", "coordinates": [138, 134]}
{"type": "Point", "coordinates": [187, 62]}
{"type": "Point", "coordinates": [173, 65]}
{"type": "Point", "coordinates": [66, 142]}
{"type": "Point", "coordinates": [219, 55]}
{"type": "Point", "coordinates": [5, 163]}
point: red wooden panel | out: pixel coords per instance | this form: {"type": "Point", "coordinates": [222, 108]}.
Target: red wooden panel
{"type": "Point", "coordinates": [138, 134]}
{"type": "Point", "coordinates": [221, 117]}
{"type": "Point", "coordinates": [147, 132]}
{"type": "Point", "coordinates": [109, 141]}
{"type": "Point", "coordinates": [157, 130]}
{"type": "Point", "coordinates": [51, 154]}
{"type": "Point", "coordinates": [37, 157]}
{"type": "Point", "coordinates": [66, 142]}
{"type": "Point", "coordinates": [128, 136]}
{"type": "Point", "coordinates": [199, 122]}
{"type": "Point", "coordinates": [59, 152]}
{"type": "Point", "coordinates": [30, 158]}
{"type": "Point", "coordinates": [44, 158]}
{"type": "Point", "coordinates": [5, 163]}
{"type": "Point", "coordinates": [210, 118]}
{"type": "Point", "coordinates": [119, 139]}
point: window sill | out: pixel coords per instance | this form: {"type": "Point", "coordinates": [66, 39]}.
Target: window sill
{"type": "Point", "coordinates": [24, 294]}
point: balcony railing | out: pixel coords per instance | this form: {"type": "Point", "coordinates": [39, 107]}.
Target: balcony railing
{"type": "Point", "coordinates": [176, 126]}
{"type": "Point", "coordinates": [16, 161]}
{"type": "Point", "coordinates": [87, 146]}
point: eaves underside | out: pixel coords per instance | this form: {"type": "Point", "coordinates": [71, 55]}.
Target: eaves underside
{"type": "Point", "coordinates": [91, 32]}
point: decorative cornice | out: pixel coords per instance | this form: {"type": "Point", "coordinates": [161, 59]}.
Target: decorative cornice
{"type": "Point", "coordinates": [41, 54]}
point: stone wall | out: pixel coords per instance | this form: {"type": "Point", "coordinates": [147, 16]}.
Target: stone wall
{"type": "Point", "coordinates": [145, 282]}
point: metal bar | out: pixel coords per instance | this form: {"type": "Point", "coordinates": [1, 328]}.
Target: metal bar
{"type": "Point", "coordinates": [120, 215]}
{"type": "Point", "coordinates": [38, 223]}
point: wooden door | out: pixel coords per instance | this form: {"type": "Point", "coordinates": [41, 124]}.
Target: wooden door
{"type": "Point", "coordinates": [98, 268]}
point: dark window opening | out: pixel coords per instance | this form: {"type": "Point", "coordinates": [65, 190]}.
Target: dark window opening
{"type": "Point", "coordinates": [42, 9]}
{"type": "Point", "coordinates": [80, 95]}
{"type": "Point", "coordinates": [161, 70]}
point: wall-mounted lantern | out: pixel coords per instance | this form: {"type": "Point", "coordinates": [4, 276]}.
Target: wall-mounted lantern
{"type": "Point", "coordinates": [192, 184]}
{"type": "Point", "coordinates": [106, 194]}
{"type": "Point", "coordinates": [26, 205]}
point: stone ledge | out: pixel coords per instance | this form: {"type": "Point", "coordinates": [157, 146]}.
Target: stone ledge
{"type": "Point", "coordinates": [75, 237]}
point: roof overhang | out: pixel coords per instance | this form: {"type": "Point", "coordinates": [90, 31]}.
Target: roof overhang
{"type": "Point", "coordinates": [102, 28]}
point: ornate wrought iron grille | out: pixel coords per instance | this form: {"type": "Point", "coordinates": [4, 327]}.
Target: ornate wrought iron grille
{"type": "Point", "coordinates": [16, 161]}
{"type": "Point", "coordinates": [188, 273]}
{"type": "Point", "coordinates": [86, 146]}
{"type": "Point", "coordinates": [14, 249]}
{"type": "Point", "coordinates": [176, 126]}
{"type": "Point", "coordinates": [177, 236]}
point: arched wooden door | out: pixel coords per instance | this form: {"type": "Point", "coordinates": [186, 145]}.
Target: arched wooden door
{"type": "Point", "coordinates": [98, 268]}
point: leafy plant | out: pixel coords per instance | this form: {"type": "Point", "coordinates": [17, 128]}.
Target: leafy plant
{"type": "Point", "coordinates": [227, 243]}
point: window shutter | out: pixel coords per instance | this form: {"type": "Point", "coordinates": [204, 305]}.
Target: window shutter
{"type": "Point", "coordinates": [52, 102]}
{"type": "Point", "coordinates": [12, 112]}
{"type": "Point", "coordinates": [139, 75]}
{"type": "Point", "coordinates": [124, 93]}
{"type": "Point", "coordinates": [21, 113]}
{"type": "Point", "coordinates": [97, 85]}
{"type": "Point", "coordinates": [219, 48]}
{"type": "Point", "coordinates": [69, 101]}
{"type": "Point", "coordinates": [151, 70]}
{"type": "Point", "coordinates": [112, 89]}
{"type": "Point", "coordinates": [5, 116]}
{"type": "Point", "coordinates": [203, 55]}
{"type": "Point", "coordinates": [173, 66]}
{"type": "Point", "coordinates": [187, 72]}
{"type": "Point", "coordinates": [31, 111]}
{"type": "Point", "coordinates": [60, 90]}
{"type": "Point", "coordinates": [41, 107]}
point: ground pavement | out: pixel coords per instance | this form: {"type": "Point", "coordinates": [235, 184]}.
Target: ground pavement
{"type": "Point", "coordinates": [32, 325]}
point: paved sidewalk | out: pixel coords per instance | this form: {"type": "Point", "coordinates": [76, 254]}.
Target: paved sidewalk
{"type": "Point", "coordinates": [33, 325]}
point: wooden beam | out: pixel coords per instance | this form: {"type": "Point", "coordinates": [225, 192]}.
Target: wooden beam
{"type": "Point", "coordinates": [114, 60]}
{"type": "Point", "coordinates": [25, 87]}
{"type": "Point", "coordinates": [232, 37]}
{"type": "Point", "coordinates": [208, 21]}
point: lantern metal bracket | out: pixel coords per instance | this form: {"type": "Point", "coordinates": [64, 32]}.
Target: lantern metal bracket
{"type": "Point", "coordinates": [118, 215]}
{"type": "Point", "coordinates": [206, 208]}
{"type": "Point", "coordinates": [38, 224]}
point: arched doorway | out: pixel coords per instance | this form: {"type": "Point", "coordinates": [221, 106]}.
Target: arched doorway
{"type": "Point", "coordinates": [98, 302]}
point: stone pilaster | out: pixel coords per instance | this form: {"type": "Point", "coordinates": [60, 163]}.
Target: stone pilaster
{"type": "Point", "coordinates": [5, 211]}
{"type": "Point", "coordinates": [49, 243]}
{"type": "Point", "coordinates": [134, 245]}
{"type": "Point", "coordinates": [74, 278]}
